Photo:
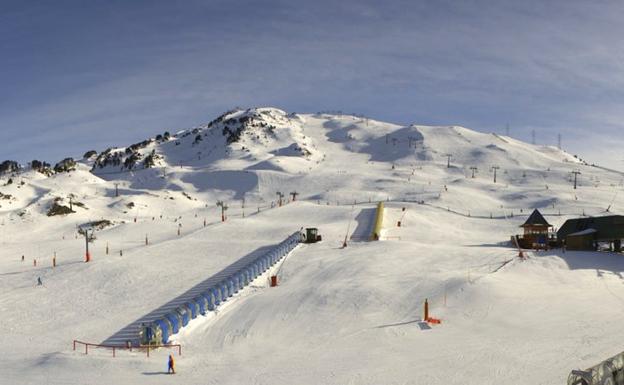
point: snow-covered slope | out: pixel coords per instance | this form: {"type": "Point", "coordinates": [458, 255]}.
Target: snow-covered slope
{"type": "Point", "coordinates": [340, 315]}
{"type": "Point", "coordinates": [253, 138]}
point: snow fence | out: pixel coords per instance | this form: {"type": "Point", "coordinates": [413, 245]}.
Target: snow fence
{"type": "Point", "coordinates": [160, 330]}
{"type": "Point", "coordinates": [608, 372]}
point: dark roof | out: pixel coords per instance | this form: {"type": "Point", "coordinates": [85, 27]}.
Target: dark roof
{"type": "Point", "coordinates": [536, 219]}
{"type": "Point", "coordinates": [607, 228]}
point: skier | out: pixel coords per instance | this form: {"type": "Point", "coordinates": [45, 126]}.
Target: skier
{"type": "Point", "coordinates": [171, 365]}
{"type": "Point", "coordinates": [39, 283]}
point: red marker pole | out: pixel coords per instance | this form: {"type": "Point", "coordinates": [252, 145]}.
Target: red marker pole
{"type": "Point", "coordinates": [87, 254]}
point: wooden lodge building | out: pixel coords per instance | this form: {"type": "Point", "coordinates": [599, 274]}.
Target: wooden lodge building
{"type": "Point", "coordinates": [537, 233]}
{"type": "Point", "coordinates": [588, 233]}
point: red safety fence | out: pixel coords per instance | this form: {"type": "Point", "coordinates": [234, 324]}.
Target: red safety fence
{"type": "Point", "coordinates": [116, 348]}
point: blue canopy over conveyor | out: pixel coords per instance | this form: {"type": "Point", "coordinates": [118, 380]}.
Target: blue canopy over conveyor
{"type": "Point", "coordinates": [157, 327]}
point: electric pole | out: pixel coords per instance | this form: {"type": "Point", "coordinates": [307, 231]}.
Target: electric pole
{"type": "Point", "coordinates": [576, 173]}
{"type": "Point", "coordinates": [495, 168]}
{"type": "Point", "coordinates": [474, 169]}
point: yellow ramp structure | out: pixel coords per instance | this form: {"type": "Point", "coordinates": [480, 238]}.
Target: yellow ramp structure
{"type": "Point", "coordinates": [376, 234]}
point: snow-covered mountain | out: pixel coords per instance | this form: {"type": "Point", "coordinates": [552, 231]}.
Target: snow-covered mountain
{"type": "Point", "coordinates": [246, 139]}
{"type": "Point", "coordinates": [340, 315]}
{"type": "Point", "coordinates": [256, 152]}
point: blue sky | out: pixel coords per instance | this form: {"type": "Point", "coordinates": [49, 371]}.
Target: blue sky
{"type": "Point", "coordinates": [81, 75]}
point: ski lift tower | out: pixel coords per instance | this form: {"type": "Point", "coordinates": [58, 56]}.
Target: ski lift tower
{"type": "Point", "coordinates": [224, 208]}
{"type": "Point", "coordinates": [280, 196]}
{"type": "Point", "coordinates": [88, 233]}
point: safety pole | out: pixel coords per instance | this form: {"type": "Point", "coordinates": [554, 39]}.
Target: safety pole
{"type": "Point", "coordinates": [87, 254]}
{"type": "Point", "coordinates": [426, 309]}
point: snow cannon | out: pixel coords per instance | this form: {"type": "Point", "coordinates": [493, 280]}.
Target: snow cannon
{"type": "Point", "coordinates": [311, 235]}
{"type": "Point", "coordinates": [150, 334]}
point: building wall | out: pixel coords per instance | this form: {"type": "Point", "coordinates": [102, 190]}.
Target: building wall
{"type": "Point", "coordinates": [580, 242]}
{"type": "Point", "coordinates": [528, 241]}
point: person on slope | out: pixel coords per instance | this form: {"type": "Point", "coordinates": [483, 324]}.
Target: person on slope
{"type": "Point", "coordinates": [171, 365]}
{"type": "Point", "coordinates": [39, 282]}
